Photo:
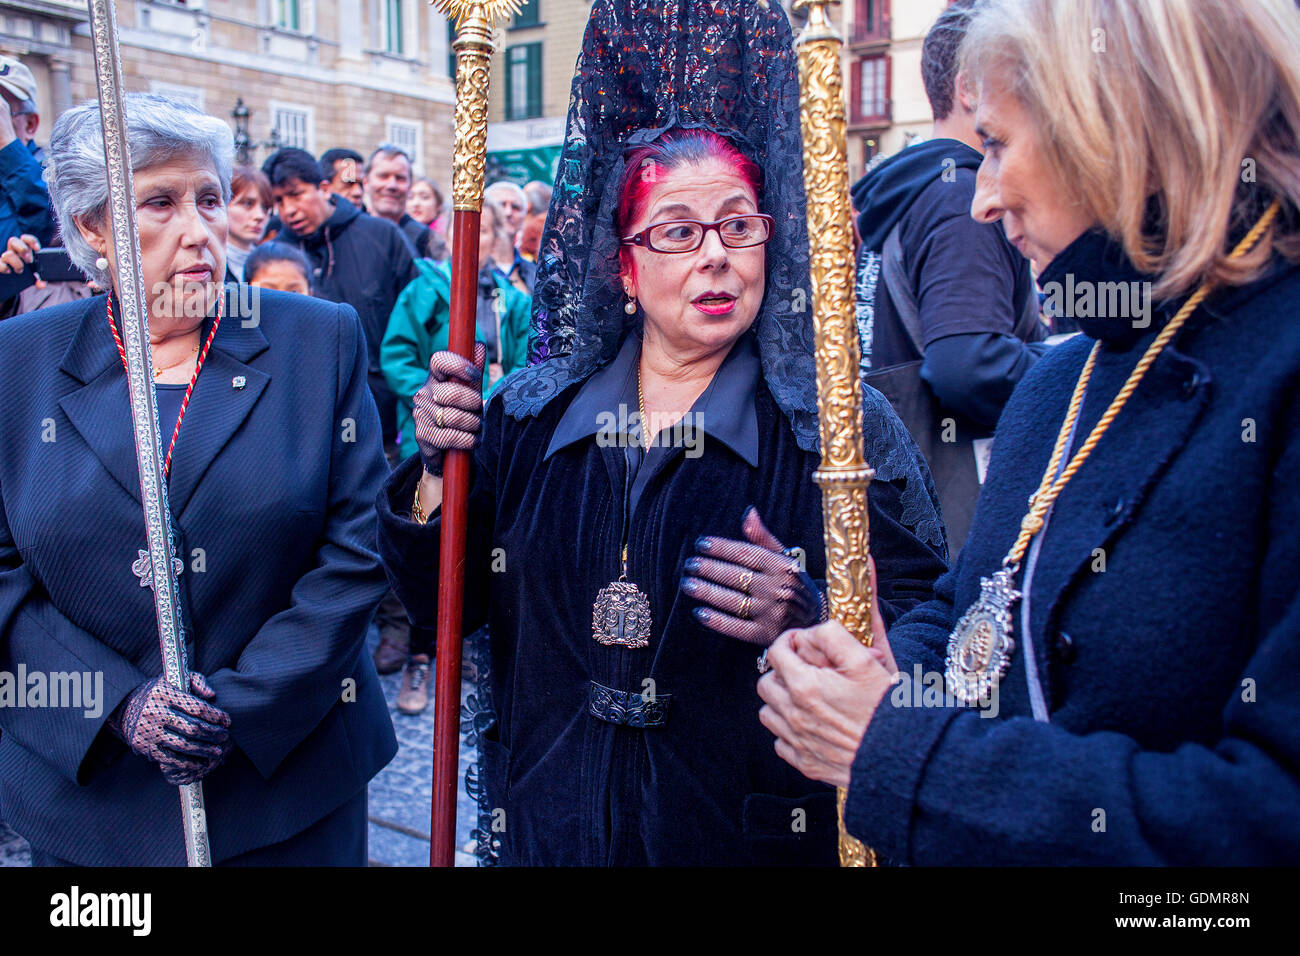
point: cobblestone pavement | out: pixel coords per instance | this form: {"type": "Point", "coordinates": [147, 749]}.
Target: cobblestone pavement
{"type": "Point", "coordinates": [400, 796]}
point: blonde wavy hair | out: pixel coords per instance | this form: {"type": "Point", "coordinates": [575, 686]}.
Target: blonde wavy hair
{"type": "Point", "coordinates": [1192, 103]}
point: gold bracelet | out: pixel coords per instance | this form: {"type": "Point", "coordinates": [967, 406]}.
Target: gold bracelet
{"type": "Point", "coordinates": [417, 513]}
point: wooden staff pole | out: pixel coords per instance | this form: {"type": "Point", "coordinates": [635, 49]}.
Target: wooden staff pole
{"type": "Point", "coordinates": [474, 46]}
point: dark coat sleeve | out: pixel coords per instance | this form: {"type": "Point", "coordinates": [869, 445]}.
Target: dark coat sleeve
{"type": "Point", "coordinates": [23, 184]}
{"type": "Point", "coordinates": [402, 261]}
{"type": "Point", "coordinates": [906, 567]}
{"type": "Point", "coordinates": [35, 633]}
{"type": "Point", "coordinates": [966, 302]}
{"type": "Point", "coordinates": [946, 785]}
{"type": "Point", "coordinates": [410, 551]}
{"type": "Point", "coordinates": [291, 673]}
{"type": "Point", "coordinates": [974, 373]}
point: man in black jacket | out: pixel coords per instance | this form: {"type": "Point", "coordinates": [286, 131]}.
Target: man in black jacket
{"type": "Point", "coordinates": [362, 260]}
{"type": "Point", "coordinates": [388, 181]}
{"type": "Point", "coordinates": [971, 290]}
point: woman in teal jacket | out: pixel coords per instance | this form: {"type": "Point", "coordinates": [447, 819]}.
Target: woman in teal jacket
{"type": "Point", "coordinates": [418, 326]}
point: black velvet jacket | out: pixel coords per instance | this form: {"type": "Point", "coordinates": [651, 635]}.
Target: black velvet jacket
{"type": "Point", "coordinates": [706, 787]}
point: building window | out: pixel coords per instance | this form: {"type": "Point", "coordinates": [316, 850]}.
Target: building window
{"type": "Point", "coordinates": [393, 26]}
{"type": "Point", "coordinates": [183, 94]}
{"type": "Point", "coordinates": [870, 20]}
{"type": "Point", "coordinates": [871, 89]}
{"type": "Point", "coordinates": [406, 134]}
{"type": "Point", "coordinates": [529, 16]}
{"type": "Point", "coordinates": [294, 125]}
{"type": "Point", "coordinates": [287, 15]}
{"type": "Point", "coordinates": [451, 53]}
{"type": "Point", "coordinates": [524, 81]}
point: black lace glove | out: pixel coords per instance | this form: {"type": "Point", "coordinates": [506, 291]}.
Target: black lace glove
{"type": "Point", "coordinates": [752, 590]}
{"type": "Point", "coordinates": [448, 409]}
{"type": "Point", "coordinates": [184, 734]}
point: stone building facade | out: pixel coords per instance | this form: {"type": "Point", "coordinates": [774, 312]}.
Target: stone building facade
{"type": "Point", "coordinates": [312, 73]}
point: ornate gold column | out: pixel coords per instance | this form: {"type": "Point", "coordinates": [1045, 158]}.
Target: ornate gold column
{"type": "Point", "coordinates": [844, 475]}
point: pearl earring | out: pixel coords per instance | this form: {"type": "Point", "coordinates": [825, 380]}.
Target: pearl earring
{"type": "Point", "coordinates": [630, 306]}
{"type": "Point", "coordinates": [101, 264]}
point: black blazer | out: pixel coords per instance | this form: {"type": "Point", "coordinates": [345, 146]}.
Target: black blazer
{"type": "Point", "coordinates": [272, 487]}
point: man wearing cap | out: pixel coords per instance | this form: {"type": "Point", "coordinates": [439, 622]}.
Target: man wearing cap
{"type": "Point", "coordinates": [24, 200]}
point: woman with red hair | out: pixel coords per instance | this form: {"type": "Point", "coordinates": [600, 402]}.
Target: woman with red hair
{"type": "Point", "coordinates": [642, 517]}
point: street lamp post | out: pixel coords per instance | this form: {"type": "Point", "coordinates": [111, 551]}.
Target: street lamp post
{"type": "Point", "coordinates": [244, 144]}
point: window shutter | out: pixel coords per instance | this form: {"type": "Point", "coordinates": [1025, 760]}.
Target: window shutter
{"type": "Point", "coordinates": [855, 91]}
{"type": "Point", "coordinates": [534, 80]}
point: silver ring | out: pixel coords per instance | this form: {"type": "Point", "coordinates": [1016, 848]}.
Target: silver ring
{"type": "Point", "coordinates": [763, 665]}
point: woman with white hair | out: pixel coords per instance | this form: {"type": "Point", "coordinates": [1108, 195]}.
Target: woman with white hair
{"type": "Point", "coordinates": [1118, 639]}
{"type": "Point", "coordinates": [512, 203]}
{"type": "Point", "coordinates": [273, 461]}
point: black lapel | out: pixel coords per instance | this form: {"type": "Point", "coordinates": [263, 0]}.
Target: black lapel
{"type": "Point", "coordinates": [223, 397]}
{"type": "Point", "coordinates": [1102, 500]}
{"type": "Point", "coordinates": [100, 410]}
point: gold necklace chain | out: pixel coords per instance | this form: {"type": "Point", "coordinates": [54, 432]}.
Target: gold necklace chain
{"type": "Point", "coordinates": [640, 401]}
{"type": "Point", "coordinates": [159, 370]}
{"type": "Point", "coordinates": [1049, 490]}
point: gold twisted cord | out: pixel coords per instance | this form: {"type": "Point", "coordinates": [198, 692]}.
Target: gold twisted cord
{"type": "Point", "coordinates": [1049, 490]}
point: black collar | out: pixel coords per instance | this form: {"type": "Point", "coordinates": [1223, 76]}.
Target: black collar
{"type": "Point", "coordinates": [725, 409]}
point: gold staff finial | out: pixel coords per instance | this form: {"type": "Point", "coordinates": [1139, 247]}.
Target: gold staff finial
{"type": "Point", "coordinates": [494, 11]}
{"type": "Point", "coordinates": [844, 474]}
{"type": "Point", "coordinates": [474, 45]}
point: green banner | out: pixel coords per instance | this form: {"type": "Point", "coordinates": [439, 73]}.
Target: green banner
{"type": "Point", "coordinates": [523, 165]}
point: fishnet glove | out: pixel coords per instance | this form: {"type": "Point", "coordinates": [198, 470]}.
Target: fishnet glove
{"type": "Point", "coordinates": [752, 590]}
{"type": "Point", "coordinates": [184, 734]}
{"type": "Point", "coordinates": [454, 393]}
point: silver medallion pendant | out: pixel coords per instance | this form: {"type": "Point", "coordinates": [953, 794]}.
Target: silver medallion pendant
{"type": "Point", "coordinates": [981, 645]}
{"type": "Point", "coordinates": [621, 616]}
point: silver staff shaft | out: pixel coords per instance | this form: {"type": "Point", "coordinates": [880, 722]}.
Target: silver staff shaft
{"type": "Point", "coordinates": [134, 319]}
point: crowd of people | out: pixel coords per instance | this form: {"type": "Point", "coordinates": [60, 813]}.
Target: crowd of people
{"type": "Point", "coordinates": [1083, 561]}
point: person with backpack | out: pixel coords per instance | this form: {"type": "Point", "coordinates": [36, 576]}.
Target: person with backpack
{"type": "Point", "coordinates": [946, 305]}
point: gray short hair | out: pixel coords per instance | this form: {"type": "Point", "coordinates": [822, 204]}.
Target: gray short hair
{"type": "Point", "coordinates": [500, 229]}
{"type": "Point", "coordinates": [158, 130]}
{"type": "Point", "coordinates": [505, 185]}
{"type": "Point", "coordinates": [388, 150]}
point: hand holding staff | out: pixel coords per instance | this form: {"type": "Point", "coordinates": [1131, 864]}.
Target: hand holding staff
{"type": "Point", "coordinates": [473, 45]}
{"type": "Point", "coordinates": [144, 407]}
{"type": "Point", "coordinates": [844, 474]}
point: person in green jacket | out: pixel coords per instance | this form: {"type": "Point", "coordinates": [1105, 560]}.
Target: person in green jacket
{"type": "Point", "coordinates": [418, 326]}
{"type": "Point", "coordinates": [416, 329]}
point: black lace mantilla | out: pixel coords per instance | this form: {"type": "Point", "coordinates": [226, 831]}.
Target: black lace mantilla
{"type": "Point", "coordinates": [646, 67]}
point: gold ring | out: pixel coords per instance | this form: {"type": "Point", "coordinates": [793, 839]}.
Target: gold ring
{"type": "Point", "coordinates": [438, 416]}
{"type": "Point", "coordinates": [745, 604]}
{"type": "Point", "coordinates": [746, 579]}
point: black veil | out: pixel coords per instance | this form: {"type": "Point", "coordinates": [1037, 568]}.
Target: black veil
{"type": "Point", "coordinates": [728, 66]}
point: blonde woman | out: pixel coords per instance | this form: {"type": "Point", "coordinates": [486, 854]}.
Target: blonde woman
{"type": "Point", "coordinates": [1118, 652]}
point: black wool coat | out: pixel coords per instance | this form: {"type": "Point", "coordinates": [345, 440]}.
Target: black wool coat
{"type": "Point", "coordinates": [272, 486]}
{"type": "Point", "coordinates": [1164, 614]}
{"type": "Point", "coordinates": [705, 788]}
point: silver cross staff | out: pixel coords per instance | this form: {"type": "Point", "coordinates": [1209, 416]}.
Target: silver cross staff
{"type": "Point", "coordinates": [144, 403]}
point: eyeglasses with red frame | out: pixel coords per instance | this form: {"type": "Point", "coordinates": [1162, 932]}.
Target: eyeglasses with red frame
{"type": "Point", "coordinates": [686, 235]}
